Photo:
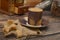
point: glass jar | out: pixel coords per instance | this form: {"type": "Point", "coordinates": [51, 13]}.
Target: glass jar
{"type": "Point", "coordinates": [11, 7]}
{"type": "Point", "coordinates": [19, 2]}
{"type": "Point", "coordinates": [55, 8]}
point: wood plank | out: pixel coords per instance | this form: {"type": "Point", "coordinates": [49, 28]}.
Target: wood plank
{"type": "Point", "coordinates": [0, 3]}
{"type": "Point", "coordinates": [4, 5]}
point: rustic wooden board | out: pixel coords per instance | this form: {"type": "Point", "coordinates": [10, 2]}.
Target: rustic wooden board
{"type": "Point", "coordinates": [52, 33]}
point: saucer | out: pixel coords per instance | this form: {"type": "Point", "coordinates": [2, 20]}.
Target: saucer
{"type": "Point", "coordinates": [24, 22]}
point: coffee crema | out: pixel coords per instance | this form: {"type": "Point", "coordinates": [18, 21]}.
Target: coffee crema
{"type": "Point", "coordinates": [35, 9]}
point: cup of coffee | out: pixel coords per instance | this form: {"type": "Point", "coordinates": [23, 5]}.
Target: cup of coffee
{"type": "Point", "coordinates": [34, 16]}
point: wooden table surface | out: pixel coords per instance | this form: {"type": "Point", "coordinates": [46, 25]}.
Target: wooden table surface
{"type": "Point", "coordinates": [52, 33]}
